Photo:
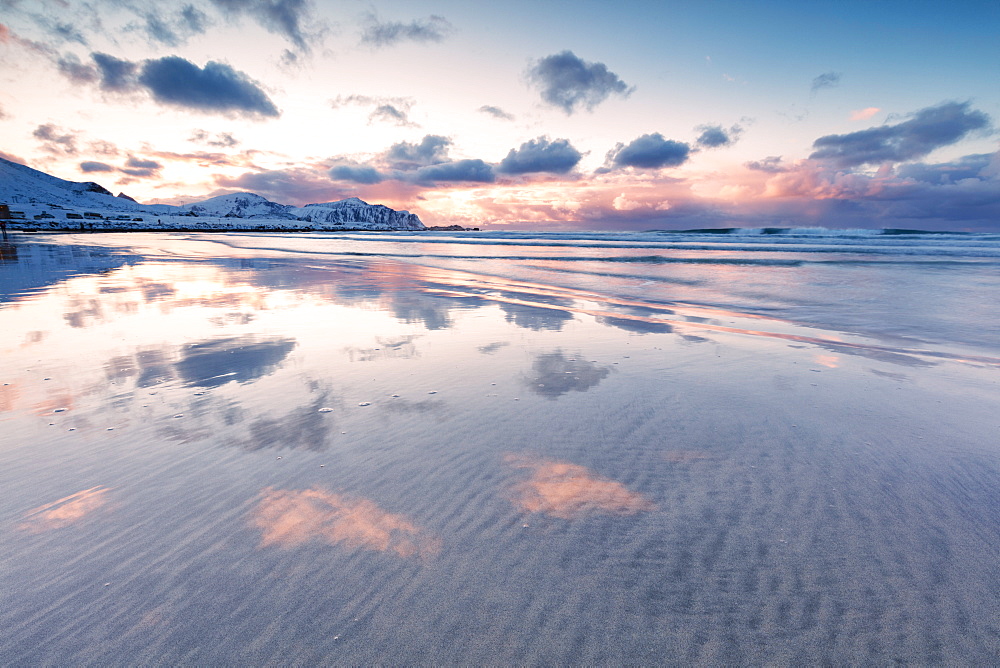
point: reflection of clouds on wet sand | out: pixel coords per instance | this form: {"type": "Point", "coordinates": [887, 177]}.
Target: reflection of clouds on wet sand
{"type": "Point", "coordinates": [237, 358]}
{"type": "Point", "coordinates": [288, 518]}
{"type": "Point", "coordinates": [556, 374]}
{"type": "Point", "coordinates": [401, 347]}
{"type": "Point", "coordinates": [636, 325]}
{"type": "Point", "coordinates": [64, 512]}
{"type": "Point", "coordinates": [305, 427]}
{"type": "Point", "coordinates": [568, 490]}
{"type": "Point", "coordinates": [491, 348]}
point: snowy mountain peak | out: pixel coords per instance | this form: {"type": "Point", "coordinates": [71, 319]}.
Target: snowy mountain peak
{"type": "Point", "coordinates": [60, 203]}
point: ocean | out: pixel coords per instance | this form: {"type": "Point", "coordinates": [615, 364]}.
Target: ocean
{"type": "Point", "coordinates": [714, 447]}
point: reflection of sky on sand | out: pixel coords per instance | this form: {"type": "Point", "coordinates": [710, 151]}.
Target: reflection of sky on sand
{"type": "Point", "coordinates": [373, 403]}
{"type": "Point", "coordinates": [289, 518]}
{"type": "Point", "coordinates": [66, 511]}
{"type": "Point", "coordinates": [555, 374]}
{"type": "Point", "coordinates": [568, 490]}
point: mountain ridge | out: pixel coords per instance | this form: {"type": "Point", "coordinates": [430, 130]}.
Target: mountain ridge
{"type": "Point", "coordinates": [24, 187]}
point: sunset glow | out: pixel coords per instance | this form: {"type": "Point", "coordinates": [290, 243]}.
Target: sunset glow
{"type": "Point", "coordinates": [521, 116]}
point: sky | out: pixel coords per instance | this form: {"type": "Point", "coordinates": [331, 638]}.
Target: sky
{"type": "Point", "coordinates": [522, 114]}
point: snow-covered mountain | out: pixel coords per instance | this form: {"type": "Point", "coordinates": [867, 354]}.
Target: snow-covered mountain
{"type": "Point", "coordinates": [353, 210]}
{"type": "Point", "coordinates": [48, 202]}
{"type": "Point", "coordinates": [23, 185]}
{"type": "Point", "coordinates": [240, 205]}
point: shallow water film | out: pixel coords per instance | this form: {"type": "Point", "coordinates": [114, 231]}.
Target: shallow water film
{"type": "Point", "coordinates": [506, 449]}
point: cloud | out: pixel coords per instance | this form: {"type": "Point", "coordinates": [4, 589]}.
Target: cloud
{"type": "Point", "coordinates": [864, 114]}
{"type": "Point", "coordinates": [943, 173]}
{"type": "Point", "coordinates": [356, 174]}
{"type": "Point", "coordinates": [391, 114]}
{"type": "Point", "coordinates": [116, 75]}
{"type": "Point", "coordinates": [649, 151]}
{"type": "Point", "coordinates": [141, 168]}
{"type": "Point", "coordinates": [193, 19]}
{"type": "Point", "coordinates": [215, 88]}
{"type": "Point", "coordinates": [89, 166]}
{"type": "Point", "coordinates": [432, 150]}
{"type": "Point", "coordinates": [56, 140]}
{"type": "Point", "coordinates": [496, 112]}
{"type": "Point", "coordinates": [567, 82]}
{"type": "Point", "coordinates": [219, 140]}
{"type": "Point", "coordinates": [771, 164]}
{"type": "Point", "coordinates": [393, 110]}
{"type": "Point", "coordinates": [927, 130]}
{"type": "Point", "coordinates": [175, 30]}
{"type": "Point", "coordinates": [432, 29]}
{"type": "Point", "coordinates": [281, 17]}
{"type": "Point", "coordinates": [159, 31]}
{"type": "Point", "coordinates": [473, 170]}
{"type": "Point", "coordinates": [825, 80]}
{"type": "Point", "coordinates": [714, 136]}
{"type": "Point", "coordinates": [65, 32]}
{"type": "Point", "coordinates": [541, 155]}
{"type": "Point", "coordinates": [298, 185]}
{"type": "Point", "coordinates": [3, 113]}
{"type": "Point", "coordinates": [74, 70]}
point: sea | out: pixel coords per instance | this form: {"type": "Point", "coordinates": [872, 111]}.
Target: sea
{"type": "Point", "coordinates": [712, 447]}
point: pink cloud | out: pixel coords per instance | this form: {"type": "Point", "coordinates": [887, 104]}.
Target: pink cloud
{"type": "Point", "coordinates": [864, 114]}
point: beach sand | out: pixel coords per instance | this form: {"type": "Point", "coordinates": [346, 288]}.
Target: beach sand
{"type": "Point", "coordinates": [250, 457]}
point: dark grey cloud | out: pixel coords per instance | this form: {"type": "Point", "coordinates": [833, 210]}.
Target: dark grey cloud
{"type": "Point", "coordinates": [55, 139]}
{"type": "Point", "coordinates": [172, 80]}
{"type": "Point", "coordinates": [215, 88]}
{"type": "Point", "coordinates": [650, 151]}
{"type": "Point", "coordinates": [927, 130]}
{"type": "Point", "coordinates": [826, 80]}
{"type": "Point", "coordinates": [568, 82]}
{"type": "Point", "coordinates": [3, 113]}
{"type": "Point", "coordinates": [473, 170]}
{"type": "Point", "coordinates": [432, 150]}
{"type": "Point", "coordinates": [496, 112]}
{"type": "Point", "coordinates": [141, 168]}
{"type": "Point", "coordinates": [771, 164]}
{"type": "Point", "coordinates": [89, 166]}
{"type": "Point", "coordinates": [387, 33]}
{"type": "Point", "coordinates": [943, 173]}
{"type": "Point", "coordinates": [116, 75]}
{"type": "Point", "coordinates": [281, 17]}
{"type": "Point", "coordinates": [219, 140]}
{"type": "Point", "coordinates": [715, 136]}
{"type": "Point", "coordinates": [356, 174]}
{"type": "Point", "coordinates": [541, 155]}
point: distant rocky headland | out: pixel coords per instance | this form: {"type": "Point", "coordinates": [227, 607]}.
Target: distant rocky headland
{"type": "Point", "coordinates": [38, 201]}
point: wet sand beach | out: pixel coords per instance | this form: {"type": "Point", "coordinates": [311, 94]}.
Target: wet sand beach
{"type": "Point", "coordinates": [288, 450]}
